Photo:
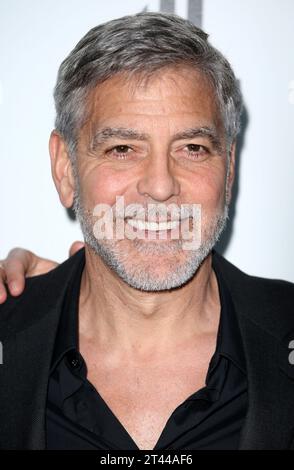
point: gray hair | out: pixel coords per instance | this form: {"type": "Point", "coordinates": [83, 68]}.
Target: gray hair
{"type": "Point", "coordinates": [140, 44]}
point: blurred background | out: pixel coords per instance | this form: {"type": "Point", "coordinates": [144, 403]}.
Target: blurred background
{"type": "Point", "coordinates": [257, 37]}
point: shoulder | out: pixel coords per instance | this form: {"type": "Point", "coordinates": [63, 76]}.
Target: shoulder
{"type": "Point", "coordinates": [40, 294]}
{"type": "Point", "coordinates": [16, 309]}
{"type": "Point", "coordinates": [267, 302]}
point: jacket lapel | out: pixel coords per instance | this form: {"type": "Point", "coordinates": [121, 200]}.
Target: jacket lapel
{"type": "Point", "coordinates": [264, 318]}
{"type": "Point", "coordinates": [26, 363]}
{"type": "Point", "coordinates": [28, 332]}
{"type": "Point", "coordinates": [269, 422]}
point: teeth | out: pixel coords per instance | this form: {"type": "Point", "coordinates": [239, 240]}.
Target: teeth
{"type": "Point", "coordinates": [153, 226]}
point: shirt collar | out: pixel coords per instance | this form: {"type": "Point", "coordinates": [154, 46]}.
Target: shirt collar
{"type": "Point", "coordinates": [229, 340]}
{"type": "Point", "coordinates": [67, 337]}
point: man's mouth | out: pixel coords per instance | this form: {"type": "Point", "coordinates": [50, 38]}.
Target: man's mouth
{"type": "Point", "coordinates": [153, 226]}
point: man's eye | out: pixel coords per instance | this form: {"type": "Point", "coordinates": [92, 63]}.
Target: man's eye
{"type": "Point", "coordinates": [196, 151]}
{"type": "Point", "coordinates": [119, 151]}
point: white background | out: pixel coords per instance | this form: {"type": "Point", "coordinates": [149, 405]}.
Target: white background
{"type": "Point", "coordinates": [258, 39]}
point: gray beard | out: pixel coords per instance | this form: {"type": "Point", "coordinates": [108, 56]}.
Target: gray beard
{"type": "Point", "coordinates": [143, 277]}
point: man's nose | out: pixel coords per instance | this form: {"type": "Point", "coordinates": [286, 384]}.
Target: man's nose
{"type": "Point", "coordinates": [159, 180]}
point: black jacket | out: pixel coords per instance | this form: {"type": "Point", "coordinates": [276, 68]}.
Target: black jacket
{"type": "Point", "coordinates": [265, 311]}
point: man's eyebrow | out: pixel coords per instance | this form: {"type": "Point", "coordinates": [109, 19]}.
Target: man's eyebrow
{"type": "Point", "coordinates": [103, 135]}
{"type": "Point", "coordinates": [205, 131]}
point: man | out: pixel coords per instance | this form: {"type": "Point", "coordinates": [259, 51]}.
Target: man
{"type": "Point", "coordinates": [147, 338]}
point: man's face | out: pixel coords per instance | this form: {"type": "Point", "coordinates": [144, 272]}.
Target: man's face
{"type": "Point", "coordinates": [156, 164]}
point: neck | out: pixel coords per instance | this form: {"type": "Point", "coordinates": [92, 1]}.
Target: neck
{"type": "Point", "coordinates": [119, 319]}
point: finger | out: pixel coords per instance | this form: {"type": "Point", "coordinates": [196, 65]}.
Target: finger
{"type": "Point", "coordinates": [76, 246]}
{"type": "Point", "coordinates": [17, 264]}
{"type": "Point", "coordinates": [3, 294]}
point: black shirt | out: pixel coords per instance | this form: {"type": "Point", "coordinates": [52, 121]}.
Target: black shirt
{"type": "Point", "coordinates": [77, 417]}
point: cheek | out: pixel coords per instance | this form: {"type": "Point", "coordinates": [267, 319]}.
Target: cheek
{"type": "Point", "coordinates": [102, 185]}
{"type": "Point", "coordinates": [209, 190]}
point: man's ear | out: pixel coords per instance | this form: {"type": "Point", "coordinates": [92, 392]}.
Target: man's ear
{"type": "Point", "coordinates": [61, 169]}
{"type": "Point", "coordinates": [231, 171]}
